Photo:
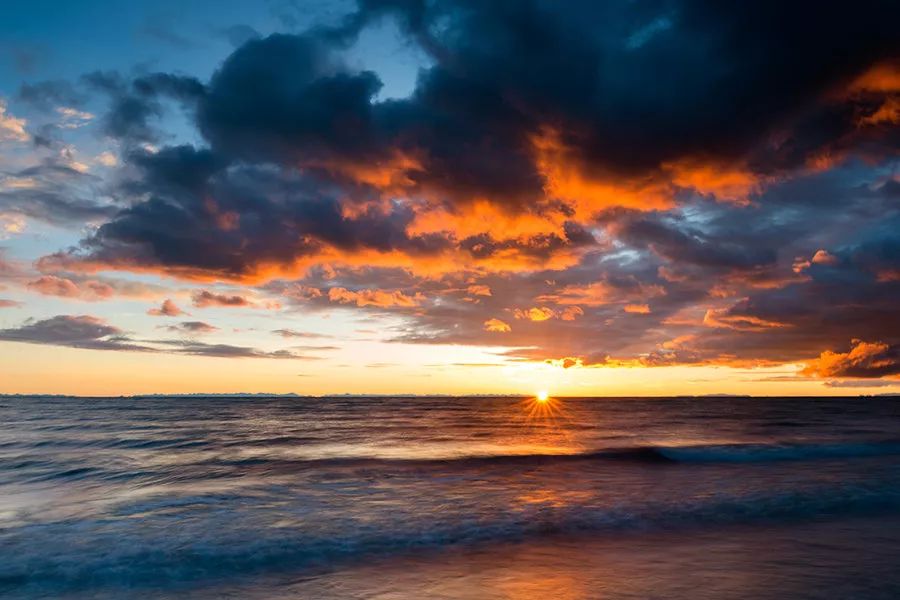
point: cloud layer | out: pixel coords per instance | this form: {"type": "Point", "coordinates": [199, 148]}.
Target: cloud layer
{"type": "Point", "coordinates": [587, 184]}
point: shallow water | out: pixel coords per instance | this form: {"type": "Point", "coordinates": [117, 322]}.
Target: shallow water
{"type": "Point", "coordinates": [295, 497]}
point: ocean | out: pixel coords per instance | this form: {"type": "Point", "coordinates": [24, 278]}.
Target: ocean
{"type": "Point", "coordinates": [391, 498]}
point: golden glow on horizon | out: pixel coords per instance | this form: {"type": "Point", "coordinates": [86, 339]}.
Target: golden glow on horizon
{"type": "Point", "coordinates": [542, 396]}
{"type": "Point", "coordinates": [408, 369]}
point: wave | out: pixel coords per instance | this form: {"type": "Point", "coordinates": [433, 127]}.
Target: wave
{"type": "Point", "coordinates": [700, 453]}
{"type": "Point", "coordinates": [30, 470]}
{"type": "Point", "coordinates": [777, 452]}
{"type": "Point", "coordinates": [57, 557]}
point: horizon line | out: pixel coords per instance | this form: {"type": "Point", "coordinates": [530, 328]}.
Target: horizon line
{"type": "Point", "coordinates": [412, 395]}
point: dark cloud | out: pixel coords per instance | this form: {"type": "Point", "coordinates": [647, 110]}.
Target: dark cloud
{"type": "Point", "coordinates": [138, 103]}
{"type": "Point", "coordinates": [92, 333]}
{"type": "Point", "coordinates": [206, 299]}
{"type": "Point", "coordinates": [228, 351]}
{"type": "Point", "coordinates": [683, 245]}
{"type": "Point", "coordinates": [48, 95]}
{"type": "Point", "coordinates": [291, 333]}
{"type": "Point", "coordinates": [73, 331]}
{"type": "Point", "coordinates": [192, 327]}
{"type": "Point", "coordinates": [864, 383]}
{"type": "Point", "coordinates": [522, 103]}
{"type": "Point", "coordinates": [201, 217]}
{"type": "Point", "coordinates": [55, 193]}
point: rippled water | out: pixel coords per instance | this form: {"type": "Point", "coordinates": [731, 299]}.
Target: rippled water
{"type": "Point", "coordinates": [155, 496]}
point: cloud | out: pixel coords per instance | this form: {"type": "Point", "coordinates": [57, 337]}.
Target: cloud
{"type": "Point", "coordinates": [51, 285]}
{"type": "Point", "coordinates": [479, 290]}
{"type": "Point", "coordinates": [192, 327]}
{"type": "Point", "coordinates": [207, 299]}
{"type": "Point", "coordinates": [238, 35]}
{"type": "Point", "coordinates": [537, 313]}
{"type": "Point", "coordinates": [93, 333]}
{"type": "Point", "coordinates": [55, 192]}
{"type": "Point", "coordinates": [135, 106]}
{"type": "Point", "coordinates": [82, 331]}
{"type": "Point", "coordinates": [823, 257]}
{"type": "Point", "coordinates": [79, 287]}
{"type": "Point", "coordinates": [107, 159]}
{"type": "Point", "coordinates": [496, 326]}
{"type": "Point", "coordinates": [196, 348]}
{"type": "Point", "coordinates": [639, 309]}
{"type": "Point", "coordinates": [863, 359]}
{"type": "Point", "coordinates": [167, 309]}
{"type": "Point", "coordinates": [72, 118]}
{"type": "Point", "coordinates": [11, 225]}
{"type": "Point", "coordinates": [535, 173]}
{"type": "Point", "coordinates": [726, 318]}
{"type": "Point", "coordinates": [291, 333]}
{"type": "Point", "coordinates": [12, 129]}
{"type": "Point", "coordinates": [5, 303]}
{"type": "Point", "coordinates": [374, 298]}
{"type": "Point", "coordinates": [546, 129]}
{"type": "Point", "coordinates": [863, 383]}
{"type": "Point", "coordinates": [45, 96]}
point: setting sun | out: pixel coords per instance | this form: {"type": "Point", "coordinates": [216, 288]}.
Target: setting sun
{"type": "Point", "coordinates": [542, 396]}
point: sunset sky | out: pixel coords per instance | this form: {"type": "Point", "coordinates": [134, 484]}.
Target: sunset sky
{"type": "Point", "coordinates": [394, 196]}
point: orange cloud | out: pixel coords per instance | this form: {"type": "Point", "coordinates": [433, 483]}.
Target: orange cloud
{"type": "Point", "coordinates": [888, 112]}
{"type": "Point", "coordinates": [483, 216]}
{"type": "Point", "coordinates": [888, 275]}
{"type": "Point", "coordinates": [593, 294]}
{"type": "Point", "coordinates": [641, 309]}
{"type": "Point", "coordinates": [883, 78]}
{"type": "Point", "coordinates": [544, 313]}
{"type": "Point", "coordinates": [566, 179]}
{"type": "Point", "coordinates": [823, 257]}
{"type": "Point", "coordinates": [721, 318]}
{"type": "Point", "coordinates": [390, 175]}
{"type": "Point", "coordinates": [51, 285]}
{"type": "Point", "coordinates": [514, 259]}
{"type": "Point", "coordinates": [479, 290]}
{"type": "Point", "coordinates": [536, 313]}
{"type": "Point", "coordinates": [732, 184]}
{"type": "Point", "coordinates": [497, 326]}
{"type": "Point", "coordinates": [864, 359]}
{"type": "Point", "coordinates": [678, 342]}
{"type": "Point", "coordinates": [374, 297]}
{"type": "Point", "coordinates": [570, 313]}
{"type": "Point", "coordinates": [601, 293]}
{"type": "Point", "coordinates": [567, 362]}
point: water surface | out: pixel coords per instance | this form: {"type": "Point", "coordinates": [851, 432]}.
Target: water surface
{"type": "Point", "coordinates": [293, 497]}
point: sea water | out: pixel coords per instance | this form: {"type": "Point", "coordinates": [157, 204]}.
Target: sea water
{"type": "Point", "coordinates": [449, 497]}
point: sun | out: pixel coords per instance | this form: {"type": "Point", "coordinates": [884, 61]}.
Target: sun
{"type": "Point", "coordinates": [541, 407]}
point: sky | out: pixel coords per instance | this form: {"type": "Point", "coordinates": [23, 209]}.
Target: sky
{"type": "Point", "coordinates": [457, 197]}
